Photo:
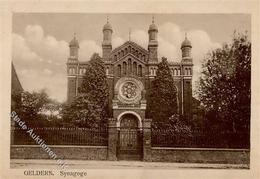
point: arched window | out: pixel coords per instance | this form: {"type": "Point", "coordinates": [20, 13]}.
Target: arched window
{"type": "Point", "coordinates": [107, 69]}
{"type": "Point", "coordinates": [115, 58]}
{"type": "Point", "coordinates": [119, 70]}
{"type": "Point", "coordinates": [129, 66]}
{"type": "Point", "coordinates": [139, 70]}
{"type": "Point", "coordinates": [175, 72]}
{"type": "Point", "coordinates": [125, 51]}
{"type": "Point", "coordinates": [124, 68]}
{"type": "Point", "coordinates": [154, 71]}
{"type": "Point", "coordinates": [151, 71]}
{"type": "Point", "coordinates": [186, 71]}
{"type": "Point", "coordinates": [190, 71]}
{"type": "Point", "coordinates": [133, 51]}
{"type": "Point", "coordinates": [134, 68]}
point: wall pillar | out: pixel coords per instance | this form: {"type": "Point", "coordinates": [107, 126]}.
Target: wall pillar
{"type": "Point", "coordinates": [112, 139]}
{"type": "Point", "coordinates": [12, 131]}
{"type": "Point", "coordinates": [147, 146]}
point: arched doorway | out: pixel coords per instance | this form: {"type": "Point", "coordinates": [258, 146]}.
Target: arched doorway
{"type": "Point", "coordinates": [130, 138]}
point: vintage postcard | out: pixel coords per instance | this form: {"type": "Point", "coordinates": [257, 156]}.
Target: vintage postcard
{"type": "Point", "coordinates": [116, 89]}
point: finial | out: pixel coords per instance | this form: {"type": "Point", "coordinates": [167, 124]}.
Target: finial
{"type": "Point", "coordinates": [185, 35]}
{"type": "Point", "coordinates": [107, 19]}
{"type": "Point", "coordinates": [129, 34]}
{"type": "Point", "coordinates": [153, 19]}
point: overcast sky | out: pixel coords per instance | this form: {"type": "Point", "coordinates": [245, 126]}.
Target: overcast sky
{"type": "Point", "coordinates": [40, 41]}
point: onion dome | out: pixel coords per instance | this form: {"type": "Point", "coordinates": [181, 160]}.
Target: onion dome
{"type": "Point", "coordinates": [153, 27]}
{"type": "Point", "coordinates": [74, 42]}
{"type": "Point", "coordinates": [107, 26]}
{"type": "Point", "coordinates": [186, 43]}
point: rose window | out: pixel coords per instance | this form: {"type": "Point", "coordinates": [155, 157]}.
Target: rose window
{"type": "Point", "coordinates": [129, 90]}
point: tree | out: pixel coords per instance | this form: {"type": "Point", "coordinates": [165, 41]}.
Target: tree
{"type": "Point", "coordinates": [162, 101]}
{"type": "Point", "coordinates": [224, 85]}
{"type": "Point", "coordinates": [52, 112]}
{"type": "Point", "coordinates": [84, 112]}
{"type": "Point", "coordinates": [90, 107]}
{"type": "Point", "coordinates": [30, 107]}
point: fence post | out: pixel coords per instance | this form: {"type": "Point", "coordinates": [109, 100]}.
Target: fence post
{"type": "Point", "coordinates": [147, 147]}
{"type": "Point", "coordinates": [112, 139]}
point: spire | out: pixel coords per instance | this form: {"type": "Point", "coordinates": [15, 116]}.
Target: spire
{"type": "Point", "coordinates": [107, 26]}
{"type": "Point", "coordinates": [129, 34]}
{"type": "Point", "coordinates": [186, 42]}
{"type": "Point", "coordinates": [153, 27]}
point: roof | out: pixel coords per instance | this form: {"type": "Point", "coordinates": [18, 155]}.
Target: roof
{"type": "Point", "coordinates": [107, 26]}
{"type": "Point", "coordinates": [153, 27]}
{"type": "Point", "coordinates": [186, 43]}
{"type": "Point", "coordinates": [74, 42]}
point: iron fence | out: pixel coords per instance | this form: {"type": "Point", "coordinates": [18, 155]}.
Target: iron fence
{"type": "Point", "coordinates": [200, 139]}
{"type": "Point", "coordinates": [62, 136]}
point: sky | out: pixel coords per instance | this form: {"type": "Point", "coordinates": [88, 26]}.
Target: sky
{"type": "Point", "coordinates": [40, 41]}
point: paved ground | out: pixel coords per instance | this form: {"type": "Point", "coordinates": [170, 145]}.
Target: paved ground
{"type": "Point", "coordinates": [90, 164]}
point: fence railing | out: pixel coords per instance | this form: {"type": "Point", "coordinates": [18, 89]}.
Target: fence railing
{"type": "Point", "coordinates": [62, 136]}
{"type": "Point", "coordinates": [200, 139]}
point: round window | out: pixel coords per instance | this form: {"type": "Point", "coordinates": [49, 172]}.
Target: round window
{"type": "Point", "coordinates": [129, 90]}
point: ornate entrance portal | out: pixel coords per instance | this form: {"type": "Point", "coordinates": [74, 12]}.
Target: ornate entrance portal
{"type": "Point", "coordinates": [130, 139]}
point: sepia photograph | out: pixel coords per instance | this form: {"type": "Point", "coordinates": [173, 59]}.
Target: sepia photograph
{"type": "Point", "coordinates": [120, 90]}
{"type": "Point", "coordinates": [171, 88]}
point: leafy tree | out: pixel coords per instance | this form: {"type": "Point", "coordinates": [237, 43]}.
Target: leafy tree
{"type": "Point", "coordinates": [30, 107]}
{"type": "Point", "coordinates": [33, 103]}
{"type": "Point", "coordinates": [52, 111]}
{"type": "Point", "coordinates": [224, 85]}
{"type": "Point", "coordinates": [84, 112]}
{"type": "Point", "coordinates": [90, 107]}
{"type": "Point", "coordinates": [95, 83]}
{"type": "Point", "coordinates": [162, 102]}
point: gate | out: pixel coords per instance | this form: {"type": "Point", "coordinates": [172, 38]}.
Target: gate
{"type": "Point", "coordinates": [130, 139]}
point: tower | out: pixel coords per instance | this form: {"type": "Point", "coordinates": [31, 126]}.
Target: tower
{"type": "Point", "coordinates": [74, 48]}
{"type": "Point", "coordinates": [153, 43]}
{"type": "Point", "coordinates": [107, 44]}
{"type": "Point", "coordinates": [186, 78]}
{"type": "Point", "coordinates": [72, 69]}
{"type": "Point", "coordinates": [186, 50]}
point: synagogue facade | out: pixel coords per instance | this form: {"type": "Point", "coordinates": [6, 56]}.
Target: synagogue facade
{"type": "Point", "coordinates": [130, 69]}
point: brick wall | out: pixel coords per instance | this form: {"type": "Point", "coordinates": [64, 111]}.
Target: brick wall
{"type": "Point", "coordinates": [187, 98]}
{"type": "Point", "coordinates": [196, 155]}
{"type": "Point", "coordinates": [63, 152]}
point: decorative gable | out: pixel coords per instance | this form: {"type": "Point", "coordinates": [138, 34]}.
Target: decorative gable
{"type": "Point", "coordinates": [129, 48]}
